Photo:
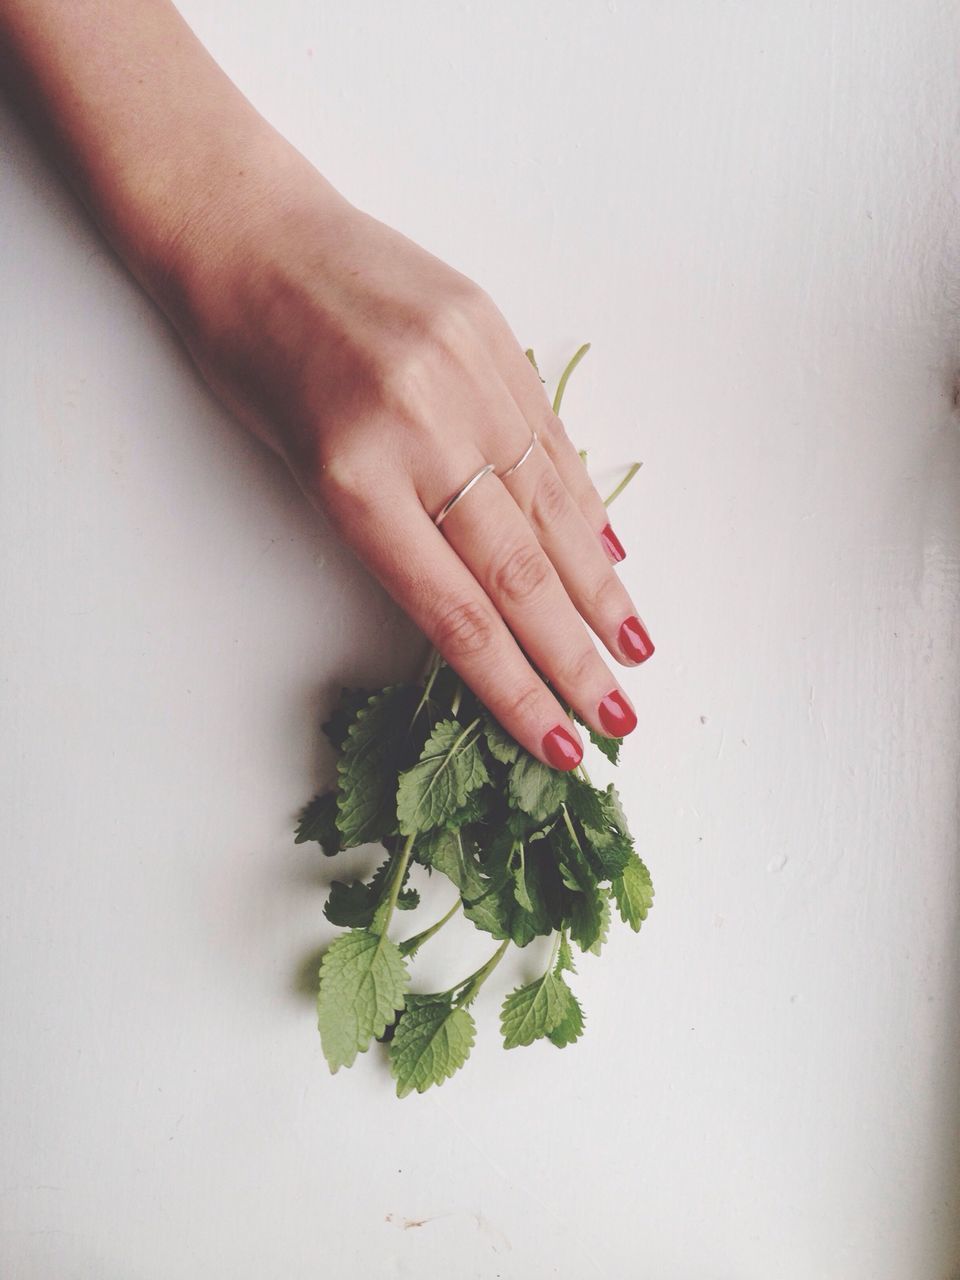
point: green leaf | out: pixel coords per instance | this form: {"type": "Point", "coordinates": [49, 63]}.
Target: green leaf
{"type": "Point", "coordinates": [570, 1024]}
{"type": "Point", "coordinates": [475, 809]}
{"type": "Point", "coordinates": [350, 905]}
{"type": "Point", "coordinates": [363, 980]}
{"type": "Point", "coordinates": [354, 905]}
{"type": "Point", "coordinates": [344, 714]}
{"type": "Point", "coordinates": [614, 810]}
{"type": "Point", "coordinates": [531, 1012]}
{"type": "Point", "coordinates": [608, 851]}
{"type": "Point", "coordinates": [564, 955]}
{"type": "Point", "coordinates": [587, 918]}
{"type": "Point", "coordinates": [586, 803]}
{"type": "Point", "coordinates": [633, 891]}
{"type": "Point", "coordinates": [368, 764]}
{"type": "Point", "coordinates": [609, 746]}
{"type": "Point", "coordinates": [535, 788]}
{"type": "Point", "coordinates": [453, 853]}
{"type": "Point", "coordinates": [318, 821]}
{"type": "Point", "coordinates": [601, 938]}
{"type": "Point", "coordinates": [433, 1039]}
{"type": "Point", "coordinates": [449, 769]}
{"type": "Point", "coordinates": [502, 746]}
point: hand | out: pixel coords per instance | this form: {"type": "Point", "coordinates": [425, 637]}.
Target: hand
{"type": "Point", "coordinates": [386, 379]}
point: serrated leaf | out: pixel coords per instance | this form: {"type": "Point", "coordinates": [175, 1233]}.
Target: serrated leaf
{"type": "Point", "coordinates": [454, 854]}
{"type": "Point", "coordinates": [531, 1012]}
{"type": "Point", "coordinates": [502, 746]}
{"type": "Point", "coordinates": [363, 980]}
{"type": "Point", "coordinates": [449, 769]}
{"type": "Point", "coordinates": [491, 911]}
{"type": "Point", "coordinates": [349, 905]}
{"type": "Point", "coordinates": [633, 891]}
{"type": "Point", "coordinates": [609, 746]}
{"type": "Point", "coordinates": [354, 905]}
{"type": "Point", "coordinates": [368, 765]}
{"type": "Point", "coordinates": [318, 821]}
{"type": "Point", "coordinates": [344, 713]}
{"type": "Point", "coordinates": [587, 918]}
{"type": "Point", "coordinates": [586, 803]}
{"type": "Point", "coordinates": [431, 1042]}
{"type": "Point", "coordinates": [614, 810]}
{"type": "Point", "coordinates": [564, 955]}
{"type": "Point", "coordinates": [475, 809]}
{"type": "Point", "coordinates": [570, 1024]}
{"type": "Point", "coordinates": [608, 851]}
{"type": "Point", "coordinates": [535, 788]}
{"type": "Point", "coordinates": [605, 914]}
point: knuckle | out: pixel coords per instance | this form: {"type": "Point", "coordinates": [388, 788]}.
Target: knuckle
{"type": "Point", "coordinates": [450, 325]}
{"type": "Point", "coordinates": [402, 384]}
{"type": "Point", "coordinates": [465, 628]}
{"type": "Point", "coordinates": [344, 490]}
{"type": "Point", "coordinates": [522, 574]}
{"type": "Point", "coordinates": [578, 670]}
{"type": "Point", "coordinates": [519, 704]}
{"type": "Point", "coordinates": [550, 500]}
{"type": "Point", "coordinates": [606, 598]}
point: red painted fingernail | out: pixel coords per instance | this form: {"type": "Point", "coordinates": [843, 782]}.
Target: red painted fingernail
{"type": "Point", "coordinates": [561, 748]}
{"type": "Point", "coordinates": [634, 641]}
{"type": "Point", "coordinates": [612, 545]}
{"type": "Point", "coordinates": [616, 714]}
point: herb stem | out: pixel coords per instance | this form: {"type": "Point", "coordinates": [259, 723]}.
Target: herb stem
{"type": "Point", "coordinates": [623, 484]}
{"type": "Point", "coordinates": [476, 980]}
{"type": "Point", "coordinates": [583, 774]}
{"type": "Point", "coordinates": [430, 675]}
{"type": "Point", "coordinates": [455, 704]}
{"type": "Point", "coordinates": [413, 945]}
{"type": "Point", "coordinates": [562, 384]}
{"type": "Point", "coordinates": [397, 874]}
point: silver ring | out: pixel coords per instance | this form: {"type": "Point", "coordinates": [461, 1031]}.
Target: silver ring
{"type": "Point", "coordinates": [521, 460]}
{"type": "Point", "coordinates": [461, 493]}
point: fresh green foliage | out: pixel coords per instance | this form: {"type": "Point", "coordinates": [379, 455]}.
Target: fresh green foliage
{"type": "Point", "coordinates": [424, 770]}
{"type": "Point", "coordinates": [363, 981]}
{"type": "Point", "coordinates": [432, 1041]}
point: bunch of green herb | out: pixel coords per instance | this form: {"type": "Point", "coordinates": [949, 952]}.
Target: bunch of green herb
{"type": "Point", "coordinates": [425, 770]}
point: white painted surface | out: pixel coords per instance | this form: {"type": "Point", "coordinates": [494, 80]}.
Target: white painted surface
{"type": "Point", "coordinates": [749, 209]}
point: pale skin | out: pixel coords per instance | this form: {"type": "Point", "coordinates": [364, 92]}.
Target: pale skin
{"type": "Point", "coordinates": [383, 377]}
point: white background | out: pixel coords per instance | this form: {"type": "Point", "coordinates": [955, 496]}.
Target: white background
{"type": "Point", "coordinates": [750, 210]}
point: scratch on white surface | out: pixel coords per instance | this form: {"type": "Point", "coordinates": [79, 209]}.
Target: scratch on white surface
{"type": "Point", "coordinates": [498, 1239]}
{"type": "Point", "coordinates": [514, 1186]}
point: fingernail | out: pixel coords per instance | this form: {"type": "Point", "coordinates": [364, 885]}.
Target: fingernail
{"type": "Point", "coordinates": [612, 545]}
{"type": "Point", "coordinates": [616, 714]}
{"type": "Point", "coordinates": [634, 641]}
{"type": "Point", "coordinates": [561, 748]}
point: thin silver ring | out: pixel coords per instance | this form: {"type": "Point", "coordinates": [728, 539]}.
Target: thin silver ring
{"type": "Point", "coordinates": [461, 493]}
{"type": "Point", "coordinates": [521, 460]}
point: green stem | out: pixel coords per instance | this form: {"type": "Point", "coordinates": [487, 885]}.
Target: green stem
{"type": "Point", "coordinates": [623, 484]}
{"type": "Point", "coordinates": [430, 674]}
{"type": "Point", "coordinates": [562, 384]}
{"type": "Point", "coordinates": [530, 356]}
{"type": "Point", "coordinates": [583, 774]}
{"type": "Point", "coordinates": [573, 835]}
{"type": "Point", "coordinates": [399, 871]}
{"type": "Point", "coordinates": [476, 980]}
{"type": "Point", "coordinates": [458, 695]}
{"type": "Point", "coordinates": [413, 945]}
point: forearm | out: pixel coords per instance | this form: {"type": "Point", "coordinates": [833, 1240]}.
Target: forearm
{"type": "Point", "coordinates": [162, 148]}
